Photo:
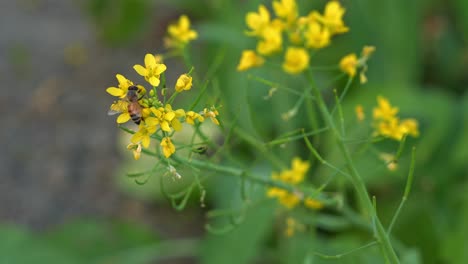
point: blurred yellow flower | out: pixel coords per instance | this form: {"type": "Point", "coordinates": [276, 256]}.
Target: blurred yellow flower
{"type": "Point", "coordinates": [191, 116]}
{"type": "Point", "coordinates": [332, 17]}
{"type": "Point", "coordinates": [313, 204]}
{"type": "Point", "coordinates": [348, 64]}
{"type": "Point", "coordinates": [287, 10]}
{"type": "Point", "coordinates": [271, 40]}
{"type": "Point", "coordinates": [249, 59]}
{"type": "Point", "coordinates": [167, 147]}
{"type": "Point", "coordinates": [360, 113]}
{"type": "Point", "coordinates": [389, 125]}
{"type": "Point", "coordinates": [212, 113]}
{"type": "Point", "coordinates": [317, 36]}
{"type": "Point", "coordinates": [384, 110]}
{"type": "Point", "coordinates": [152, 69]}
{"type": "Point", "coordinates": [257, 22]}
{"type": "Point", "coordinates": [184, 83]}
{"type": "Point", "coordinates": [296, 60]}
{"type": "Point", "coordinates": [180, 33]}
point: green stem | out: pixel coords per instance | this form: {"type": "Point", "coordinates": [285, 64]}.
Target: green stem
{"type": "Point", "coordinates": [356, 179]}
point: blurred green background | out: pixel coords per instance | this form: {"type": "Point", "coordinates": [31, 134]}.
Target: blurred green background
{"type": "Point", "coordinates": [63, 190]}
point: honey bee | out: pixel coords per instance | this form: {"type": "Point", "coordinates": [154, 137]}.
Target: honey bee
{"type": "Point", "coordinates": [130, 104]}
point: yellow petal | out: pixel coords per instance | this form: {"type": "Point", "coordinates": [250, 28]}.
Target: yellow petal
{"type": "Point", "coordinates": [121, 79]}
{"type": "Point", "coordinates": [140, 70]}
{"type": "Point", "coordinates": [165, 126]}
{"type": "Point", "coordinates": [150, 61]}
{"type": "Point", "coordinates": [153, 81]}
{"type": "Point", "coordinates": [124, 117]}
{"type": "Point", "coordinates": [160, 68]}
{"type": "Point", "coordinates": [176, 124]}
{"type": "Point", "coordinates": [145, 141]}
{"type": "Point", "coordinates": [169, 116]}
{"type": "Point", "coordinates": [115, 91]}
{"type": "Point", "coordinates": [151, 121]}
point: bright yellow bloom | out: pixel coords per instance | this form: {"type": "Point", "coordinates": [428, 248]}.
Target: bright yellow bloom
{"type": "Point", "coordinates": [296, 60]}
{"type": "Point", "coordinates": [180, 33]}
{"type": "Point", "coordinates": [410, 127]}
{"type": "Point", "coordinates": [360, 113]}
{"type": "Point", "coordinates": [272, 40]}
{"type": "Point", "coordinates": [257, 22]}
{"type": "Point", "coordinates": [313, 204]}
{"type": "Point", "coordinates": [143, 134]}
{"type": "Point", "coordinates": [184, 83]}
{"type": "Point", "coordinates": [152, 70]}
{"type": "Point", "coordinates": [332, 17]}
{"type": "Point", "coordinates": [287, 10]}
{"type": "Point", "coordinates": [166, 118]}
{"type": "Point", "coordinates": [190, 117]}
{"type": "Point", "coordinates": [122, 90]}
{"type": "Point", "coordinates": [349, 64]}
{"type": "Point", "coordinates": [249, 60]}
{"type": "Point", "coordinates": [212, 114]}
{"type": "Point", "coordinates": [292, 176]}
{"type": "Point", "coordinates": [167, 147]}
{"type": "Point", "coordinates": [384, 111]}
{"type": "Point", "coordinates": [317, 36]}
{"type": "Point", "coordinates": [136, 148]}
{"type": "Point", "coordinates": [388, 124]}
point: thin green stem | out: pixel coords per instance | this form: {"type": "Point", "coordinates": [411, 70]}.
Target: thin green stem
{"type": "Point", "coordinates": [356, 179]}
{"type": "Point", "coordinates": [409, 182]}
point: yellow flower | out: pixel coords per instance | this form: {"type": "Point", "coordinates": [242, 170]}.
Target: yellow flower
{"type": "Point", "coordinates": [272, 40]}
{"type": "Point", "coordinates": [390, 128]}
{"type": "Point", "coordinates": [166, 118]}
{"type": "Point", "coordinates": [257, 22]}
{"type": "Point", "coordinates": [122, 90]}
{"type": "Point", "coordinates": [384, 111]}
{"type": "Point", "coordinates": [349, 63]}
{"type": "Point", "coordinates": [143, 134]}
{"type": "Point", "coordinates": [151, 71]}
{"type": "Point", "coordinates": [317, 36]}
{"type": "Point", "coordinates": [212, 114]}
{"type": "Point", "coordinates": [292, 176]}
{"type": "Point", "coordinates": [180, 32]}
{"type": "Point", "coordinates": [136, 148]}
{"type": "Point", "coordinates": [288, 200]}
{"type": "Point", "coordinates": [410, 127]}
{"type": "Point", "coordinates": [296, 60]}
{"type": "Point", "coordinates": [286, 9]}
{"type": "Point", "coordinates": [183, 83]}
{"type": "Point", "coordinates": [313, 204]}
{"type": "Point", "coordinates": [167, 147]}
{"type": "Point", "coordinates": [332, 17]}
{"type": "Point", "coordinates": [249, 60]}
{"type": "Point", "coordinates": [190, 117]}
{"type": "Point", "coordinates": [360, 113]}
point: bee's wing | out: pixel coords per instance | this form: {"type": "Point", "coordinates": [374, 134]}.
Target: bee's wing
{"type": "Point", "coordinates": [113, 112]}
{"type": "Point", "coordinates": [118, 107]}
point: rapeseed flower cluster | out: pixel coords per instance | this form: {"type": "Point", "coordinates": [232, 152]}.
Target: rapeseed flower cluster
{"type": "Point", "coordinates": [294, 177]}
{"type": "Point", "coordinates": [388, 124]}
{"type": "Point", "coordinates": [155, 116]}
{"type": "Point", "coordinates": [350, 64]}
{"type": "Point", "coordinates": [288, 33]}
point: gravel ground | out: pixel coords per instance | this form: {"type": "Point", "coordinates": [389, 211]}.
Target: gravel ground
{"type": "Point", "coordinates": [60, 145]}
